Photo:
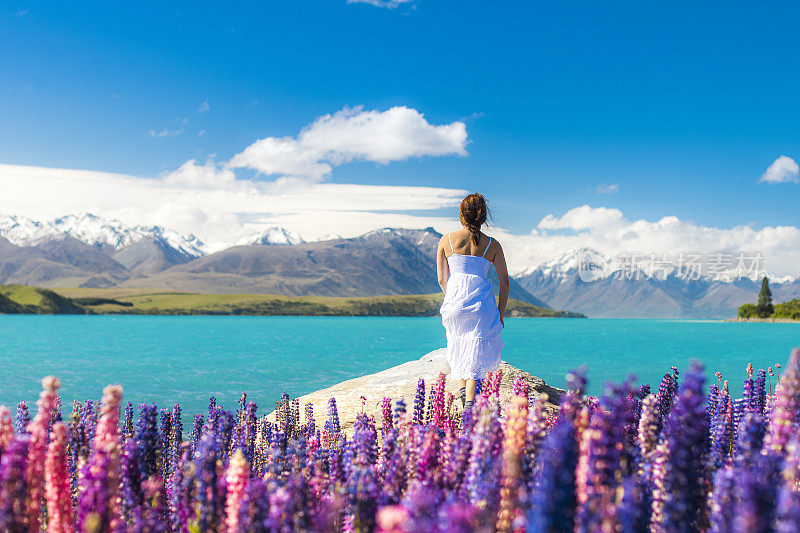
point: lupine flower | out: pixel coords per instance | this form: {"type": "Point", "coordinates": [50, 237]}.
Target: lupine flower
{"type": "Point", "coordinates": [22, 418]}
{"type": "Point", "coordinates": [57, 483]}
{"type": "Point", "coordinates": [13, 486]}
{"type": "Point", "coordinates": [37, 448]}
{"type": "Point", "coordinates": [684, 478]}
{"type": "Point", "coordinates": [6, 428]}
{"type": "Point", "coordinates": [236, 478]}
{"type": "Point", "coordinates": [512, 490]}
{"type": "Point", "coordinates": [554, 502]}
{"type": "Point", "coordinates": [419, 402]}
{"type": "Point", "coordinates": [782, 419]}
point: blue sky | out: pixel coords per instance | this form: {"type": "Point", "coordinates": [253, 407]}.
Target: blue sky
{"type": "Point", "coordinates": [681, 106]}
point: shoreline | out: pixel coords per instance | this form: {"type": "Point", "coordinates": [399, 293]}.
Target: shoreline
{"type": "Point", "coordinates": [765, 320]}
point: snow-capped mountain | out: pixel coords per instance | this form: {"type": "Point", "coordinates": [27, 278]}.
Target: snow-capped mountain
{"type": "Point", "coordinates": [273, 236]}
{"type": "Point", "coordinates": [654, 286]}
{"type": "Point", "coordinates": [593, 265]}
{"type": "Point", "coordinates": [95, 231]}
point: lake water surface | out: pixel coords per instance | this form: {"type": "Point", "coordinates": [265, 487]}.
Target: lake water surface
{"type": "Point", "coordinates": [167, 359]}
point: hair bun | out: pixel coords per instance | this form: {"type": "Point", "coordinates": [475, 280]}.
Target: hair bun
{"type": "Point", "coordinates": [473, 213]}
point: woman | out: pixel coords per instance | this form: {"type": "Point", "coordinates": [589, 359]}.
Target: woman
{"type": "Point", "coordinates": [472, 318]}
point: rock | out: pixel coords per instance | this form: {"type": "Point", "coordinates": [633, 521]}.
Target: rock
{"type": "Point", "coordinates": [401, 382]}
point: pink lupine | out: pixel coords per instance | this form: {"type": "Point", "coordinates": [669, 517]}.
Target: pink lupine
{"type": "Point", "coordinates": [781, 422]}
{"type": "Point", "coordinates": [516, 414]}
{"type": "Point", "coordinates": [439, 402]}
{"type": "Point", "coordinates": [236, 477]}
{"type": "Point", "coordinates": [57, 483]}
{"type": "Point", "coordinates": [37, 449]}
{"type": "Point", "coordinates": [6, 427]}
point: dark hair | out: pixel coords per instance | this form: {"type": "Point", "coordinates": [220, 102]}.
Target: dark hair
{"type": "Point", "coordinates": [473, 214]}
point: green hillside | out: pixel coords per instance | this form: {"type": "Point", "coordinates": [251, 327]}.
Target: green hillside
{"type": "Point", "coordinates": [34, 300]}
{"type": "Point", "coordinates": [139, 301]}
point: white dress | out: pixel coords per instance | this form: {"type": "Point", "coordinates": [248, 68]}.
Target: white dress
{"type": "Point", "coordinates": [470, 317]}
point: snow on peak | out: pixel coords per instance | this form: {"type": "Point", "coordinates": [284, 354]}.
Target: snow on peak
{"type": "Point", "coordinates": [592, 265]}
{"type": "Point", "coordinates": [94, 231]}
{"type": "Point", "coordinates": [273, 236]}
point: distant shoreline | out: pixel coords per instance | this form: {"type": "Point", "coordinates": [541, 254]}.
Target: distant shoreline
{"type": "Point", "coordinates": [773, 320]}
{"type": "Point", "coordinates": [20, 299]}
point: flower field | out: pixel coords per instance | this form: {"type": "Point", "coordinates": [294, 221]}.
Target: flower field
{"type": "Point", "coordinates": [691, 456]}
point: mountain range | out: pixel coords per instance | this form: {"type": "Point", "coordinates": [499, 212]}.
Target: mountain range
{"type": "Point", "coordinates": [615, 290]}
{"type": "Point", "coordinates": [88, 251]}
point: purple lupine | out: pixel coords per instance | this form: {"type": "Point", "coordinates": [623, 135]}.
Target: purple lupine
{"type": "Point", "coordinates": [748, 391]}
{"type": "Point", "coordinates": [22, 418]}
{"type": "Point", "coordinates": [438, 402]}
{"type": "Point", "coordinates": [757, 492]}
{"type": "Point", "coordinates": [13, 487]}
{"type": "Point", "coordinates": [553, 503]}
{"type": "Point", "coordinates": [633, 513]}
{"type": "Point", "coordinates": [176, 438]}
{"type": "Point", "coordinates": [210, 499]}
{"type": "Point", "coordinates": [127, 427]}
{"type": "Point", "coordinates": [147, 441]}
{"type": "Point", "coordinates": [722, 504]}
{"type": "Point", "coordinates": [687, 441]}
{"type": "Point", "coordinates": [609, 453]}
{"type": "Point", "coordinates": [164, 446]}
{"type": "Point", "coordinates": [750, 438]}
{"type": "Point", "coordinates": [334, 430]}
{"type": "Point", "coordinates": [310, 427]}
{"type": "Point", "coordinates": [419, 402]}
{"type": "Point", "coordinates": [197, 431]}
{"type": "Point", "coordinates": [760, 391]}
{"type": "Point", "coordinates": [386, 415]}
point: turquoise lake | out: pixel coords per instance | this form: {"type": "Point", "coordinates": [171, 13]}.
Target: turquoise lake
{"type": "Point", "coordinates": [186, 359]}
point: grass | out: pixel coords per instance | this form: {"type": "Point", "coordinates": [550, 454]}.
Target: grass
{"type": "Point", "coordinates": [143, 301]}
{"type": "Point", "coordinates": [25, 299]}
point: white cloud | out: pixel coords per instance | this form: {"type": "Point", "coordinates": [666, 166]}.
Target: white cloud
{"type": "Point", "coordinates": [390, 4]}
{"type": "Point", "coordinates": [353, 134]}
{"type": "Point", "coordinates": [165, 133]}
{"type": "Point", "coordinates": [582, 217]}
{"type": "Point", "coordinates": [204, 199]}
{"type": "Point", "coordinates": [782, 170]}
{"type": "Point", "coordinates": [608, 188]}
{"type": "Point", "coordinates": [204, 107]}
{"type": "Point", "coordinates": [610, 232]}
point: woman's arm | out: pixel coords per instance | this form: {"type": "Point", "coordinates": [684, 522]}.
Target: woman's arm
{"type": "Point", "coordinates": [500, 267]}
{"type": "Point", "coordinates": [442, 270]}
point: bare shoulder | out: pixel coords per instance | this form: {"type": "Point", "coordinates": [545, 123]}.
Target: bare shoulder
{"type": "Point", "coordinates": [495, 249]}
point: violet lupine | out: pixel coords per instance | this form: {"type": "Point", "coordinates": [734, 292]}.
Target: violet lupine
{"type": "Point", "coordinates": [127, 427]}
{"type": "Point", "coordinates": [687, 441]}
{"type": "Point", "coordinates": [98, 508]}
{"type": "Point", "coordinates": [334, 430]}
{"type": "Point", "coordinates": [210, 497]}
{"type": "Point", "coordinates": [760, 390]}
{"type": "Point", "coordinates": [419, 402]}
{"type": "Point", "coordinates": [57, 483]}
{"type": "Point", "coordinates": [164, 438]}
{"type": "Point", "coordinates": [782, 423]}
{"type": "Point", "coordinates": [553, 503]}
{"type": "Point", "coordinates": [605, 456]}
{"type": "Point", "coordinates": [756, 492]}
{"type": "Point", "coordinates": [386, 415]}
{"type": "Point", "coordinates": [22, 418]}
{"type": "Point", "coordinates": [37, 449]}
{"type": "Point", "coordinates": [14, 487]}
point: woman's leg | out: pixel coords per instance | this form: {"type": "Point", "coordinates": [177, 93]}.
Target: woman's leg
{"type": "Point", "coordinates": [470, 393]}
{"type": "Point", "coordinates": [462, 391]}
